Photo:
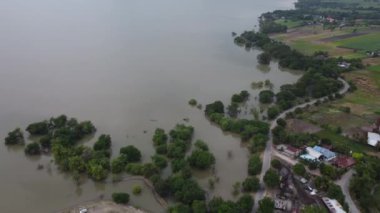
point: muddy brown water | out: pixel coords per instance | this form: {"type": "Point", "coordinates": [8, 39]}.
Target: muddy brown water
{"type": "Point", "coordinates": [129, 66]}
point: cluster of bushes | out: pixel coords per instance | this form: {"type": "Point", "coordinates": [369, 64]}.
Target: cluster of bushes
{"type": "Point", "coordinates": [362, 184]}
{"type": "Point", "coordinates": [15, 137]}
{"type": "Point", "coordinates": [266, 96]}
{"type": "Point", "coordinates": [254, 165]}
{"type": "Point", "coordinates": [258, 143]}
{"type": "Point", "coordinates": [120, 197]}
{"type": "Point", "coordinates": [201, 158]}
{"type": "Point", "coordinates": [268, 26]}
{"type": "Point", "coordinates": [245, 128]}
{"type": "Point", "coordinates": [272, 179]}
{"type": "Point", "coordinates": [61, 135]}
{"type": "Point", "coordinates": [241, 97]}
{"type": "Point", "coordinates": [180, 185]}
{"type": "Point", "coordinates": [281, 136]}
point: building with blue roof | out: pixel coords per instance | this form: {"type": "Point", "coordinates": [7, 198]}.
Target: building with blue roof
{"type": "Point", "coordinates": [327, 154]}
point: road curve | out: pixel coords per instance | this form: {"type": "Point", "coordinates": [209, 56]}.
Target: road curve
{"type": "Point", "coordinates": [344, 183]}
{"type": "Point", "coordinates": [267, 156]}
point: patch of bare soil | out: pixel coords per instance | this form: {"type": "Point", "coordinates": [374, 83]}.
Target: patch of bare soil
{"type": "Point", "coordinates": [366, 84]}
{"type": "Point", "coordinates": [104, 207]}
{"type": "Point", "coordinates": [340, 37]}
{"type": "Point", "coordinates": [300, 126]}
{"type": "Point", "coordinates": [372, 61]}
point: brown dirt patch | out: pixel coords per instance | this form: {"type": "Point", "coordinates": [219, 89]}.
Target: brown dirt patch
{"type": "Point", "coordinates": [300, 126]}
{"type": "Point", "coordinates": [104, 207]}
{"type": "Point", "coordinates": [340, 37]}
{"type": "Point", "coordinates": [372, 61]}
{"type": "Point", "coordinates": [356, 109]}
{"type": "Point", "coordinates": [366, 84]}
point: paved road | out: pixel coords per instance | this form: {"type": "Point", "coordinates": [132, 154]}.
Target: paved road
{"type": "Point", "coordinates": [267, 156]}
{"type": "Point", "coordinates": [344, 183]}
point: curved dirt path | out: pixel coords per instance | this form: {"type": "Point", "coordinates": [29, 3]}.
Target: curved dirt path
{"type": "Point", "coordinates": [344, 183]}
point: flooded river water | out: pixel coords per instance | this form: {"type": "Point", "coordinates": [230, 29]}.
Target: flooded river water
{"type": "Point", "coordinates": [129, 66]}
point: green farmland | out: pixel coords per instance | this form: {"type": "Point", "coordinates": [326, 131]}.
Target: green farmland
{"type": "Point", "coordinates": [369, 42]}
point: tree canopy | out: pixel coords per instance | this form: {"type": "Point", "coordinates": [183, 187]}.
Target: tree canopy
{"type": "Point", "coordinates": [15, 137]}
{"type": "Point", "coordinates": [271, 179]}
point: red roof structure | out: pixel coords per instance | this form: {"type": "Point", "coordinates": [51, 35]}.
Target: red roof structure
{"type": "Point", "coordinates": [344, 161]}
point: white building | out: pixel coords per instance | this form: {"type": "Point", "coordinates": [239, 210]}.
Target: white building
{"type": "Point", "coordinates": [333, 205]}
{"type": "Point", "coordinates": [373, 139]}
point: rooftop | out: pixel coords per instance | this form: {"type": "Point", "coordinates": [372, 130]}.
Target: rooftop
{"type": "Point", "coordinates": [325, 152]}
{"type": "Point", "coordinates": [333, 205]}
{"type": "Point", "coordinates": [313, 152]}
{"type": "Point", "coordinates": [344, 161]}
{"type": "Point", "coordinates": [373, 138]}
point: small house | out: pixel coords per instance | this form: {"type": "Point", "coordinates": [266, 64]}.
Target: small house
{"type": "Point", "coordinates": [344, 65]}
{"type": "Point", "coordinates": [373, 139]}
{"type": "Point", "coordinates": [292, 151]}
{"type": "Point", "coordinates": [344, 162]}
{"type": "Point", "coordinates": [333, 205]}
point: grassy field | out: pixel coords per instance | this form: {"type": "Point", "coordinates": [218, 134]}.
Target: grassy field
{"type": "Point", "coordinates": [337, 139]}
{"type": "Point", "coordinates": [308, 39]}
{"type": "Point", "coordinates": [365, 42]}
{"type": "Point", "coordinates": [375, 68]}
{"type": "Point", "coordinates": [359, 3]}
{"type": "Point", "coordinates": [308, 48]}
{"type": "Point", "coordinates": [289, 23]}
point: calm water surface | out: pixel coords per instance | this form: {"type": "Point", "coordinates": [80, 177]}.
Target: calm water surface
{"type": "Point", "coordinates": [129, 66]}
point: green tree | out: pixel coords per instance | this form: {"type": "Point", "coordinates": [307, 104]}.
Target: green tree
{"type": "Point", "coordinates": [281, 122]}
{"type": "Point", "coordinates": [118, 164]}
{"type": "Point", "coordinates": [180, 208]}
{"type": "Point", "coordinates": [266, 96]}
{"type": "Point", "coordinates": [160, 161]}
{"type": "Point", "coordinates": [329, 171]}
{"type": "Point", "coordinates": [193, 102]}
{"type": "Point", "coordinates": [15, 137]}
{"type": "Point", "coordinates": [59, 121]}
{"type": "Point", "coordinates": [258, 143]}
{"type": "Point", "coordinates": [45, 141]}
{"type": "Point", "coordinates": [245, 203]}
{"type": "Point", "coordinates": [264, 58]}
{"type": "Point", "coordinates": [77, 164]}
{"type": "Point", "coordinates": [276, 164]}
{"type": "Point", "coordinates": [216, 107]}
{"type": "Point", "coordinates": [33, 149]}
{"type": "Point", "coordinates": [201, 145]}
{"type": "Point", "coordinates": [313, 209]}
{"type": "Point", "coordinates": [233, 110]}
{"type": "Point", "coordinates": [271, 179]}
{"type": "Point", "coordinates": [97, 172]}
{"type": "Point", "coordinates": [273, 112]}
{"type": "Point", "coordinates": [299, 169]}
{"type": "Point", "coordinates": [254, 165]}
{"type": "Point", "coordinates": [39, 128]}
{"type": "Point", "coordinates": [199, 206]}
{"type": "Point", "coordinates": [136, 190]}
{"type": "Point", "coordinates": [132, 153]}
{"type": "Point", "coordinates": [120, 197]}
{"type": "Point", "coordinates": [159, 137]}
{"type": "Point", "coordinates": [177, 164]}
{"type": "Point", "coordinates": [251, 184]}
{"type": "Point", "coordinates": [201, 159]}
{"type": "Point", "coordinates": [103, 143]}
{"type": "Point", "coordinates": [266, 205]}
